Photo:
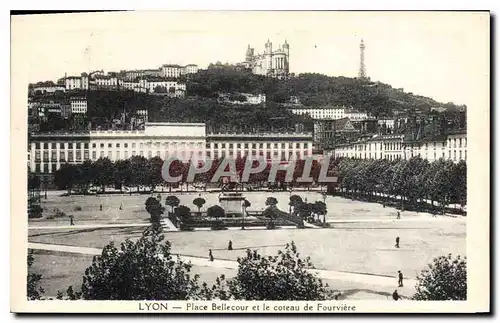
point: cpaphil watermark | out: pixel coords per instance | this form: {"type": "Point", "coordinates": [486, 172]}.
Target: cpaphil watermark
{"type": "Point", "coordinates": [227, 169]}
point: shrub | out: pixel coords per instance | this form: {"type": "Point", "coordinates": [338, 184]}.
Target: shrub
{"type": "Point", "coordinates": [285, 276]}
{"type": "Point", "coordinates": [444, 280]}
{"type": "Point", "coordinates": [186, 227]}
{"type": "Point", "coordinates": [218, 225]}
{"type": "Point", "coordinates": [35, 211]}
{"type": "Point", "coordinates": [58, 213]}
{"type": "Point", "coordinates": [271, 226]}
{"type": "Point", "coordinates": [34, 290]}
{"type": "Point", "coordinates": [139, 270]}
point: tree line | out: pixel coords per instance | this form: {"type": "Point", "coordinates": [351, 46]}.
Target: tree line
{"type": "Point", "coordinates": [138, 172]}
{"type": "Point", "coordinates": [412, 180]}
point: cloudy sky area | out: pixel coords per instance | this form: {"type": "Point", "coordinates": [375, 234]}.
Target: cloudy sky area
{"type": "Point", "coordinates": [441, 55]}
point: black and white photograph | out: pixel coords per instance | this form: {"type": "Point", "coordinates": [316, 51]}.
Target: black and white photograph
{"type": "Point", "coordinates": [293, 161]}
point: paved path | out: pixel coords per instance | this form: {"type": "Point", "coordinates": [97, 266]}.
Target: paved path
{"type": "Point", "coordinates": [169, 226]}
{"type": "Point", "coordinates": [88, 226]}
{"type": "Point", "coordinates": [394, 220]}
{"type": "Point", "coordinates": [369, 279]}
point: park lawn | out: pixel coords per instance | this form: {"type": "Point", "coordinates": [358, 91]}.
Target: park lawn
{"type": "Point", "coordinates": [133, 208]}
{"type": "Point", "coordinates": [369, 249]}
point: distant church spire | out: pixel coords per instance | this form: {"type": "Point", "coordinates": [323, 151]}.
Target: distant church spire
{"type": "Point", "coordinates": [362, 68]}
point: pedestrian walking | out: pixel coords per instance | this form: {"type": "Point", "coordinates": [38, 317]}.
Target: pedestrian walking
{"type": "Point", "coordinates": [395, 296]}
{"type": "Point", "coordinates": [100, 207]}
{"type": "Point", "coordinates": [121, 206]}
{"type": "Point", "coordinates": [397, 242]}
{"type": "Point", "coordinates": [71, 221]}
{"type": "Point", "coordinates": [210, 256]}
{"type": "Point", "coordinates": [400, 278]}
{"type": "Point", "coordinates": [230, 245]}
{"type": "Point", "coordinates": [399, 215]}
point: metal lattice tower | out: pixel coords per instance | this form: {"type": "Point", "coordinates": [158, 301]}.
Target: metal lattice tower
{"type": "Point", "coordinates": [362, 68]}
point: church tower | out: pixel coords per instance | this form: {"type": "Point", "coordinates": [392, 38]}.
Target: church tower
{"type": "Point", "coordinates": [362, 68]}
{"type": "Point", "coordinates": [286, 49]}
{"type": "Point", "coordinates": [268, 53]}
{"type": "Point", "coordinates": [249, 55]}
{"type": "Point", "coordinates": [269, 47]}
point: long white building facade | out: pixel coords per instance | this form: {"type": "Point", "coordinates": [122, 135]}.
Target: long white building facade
{"type": "Point", "coordinates": [186, 141]}
{"type": "Point", "coordinates": [48, 151]}
{"type": "Point", "coordinates": [271, 146]}
{"type": "Point", "coordinates": [451, 147]}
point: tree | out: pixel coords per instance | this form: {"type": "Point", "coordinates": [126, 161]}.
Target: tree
{"type": "Point", "coordinates": [153, 175]}
{"type": "Point", "coordinates": [138, 171]}
{"type": "Point", "coordinates": [294, 201]}
{"type": "Point", "coordinates": [215, 212]}
{"type": "Point", "coordinates": [64, 177]}
{"type": "Point", "coordinates": [183, 213]}
{"type": "Point", "coordinates": [122, 173]}
{"type": "Point", "coordinates": [320, 209]}
{"type": "Point", "coordinates": [459, 177]}
{"type": "Point", "coordinates": [172, 201]}
{"type": "Point", "coordinates": [103, 168]}
{"type": "Point", "coordinates": [141, 270]}
{"type": "Point", "coordinates": [444, 280]}
{"type": "Point", "coordinates": [34, 209]}
{"type": "Point", "coordinates": [304, 210]}
{"type": "Point", "coordinates": [271, 201]}
{"type": "Point", "coordinates": [272, 213]}
{"type": "Point", "coordinates": [282, 277]}
{"type": "Point", "coordinates": [199, 202]}
{"type": "Point", "coordinates": [34, 291]}
{"type": "Point", "coordinates": [155, 210]}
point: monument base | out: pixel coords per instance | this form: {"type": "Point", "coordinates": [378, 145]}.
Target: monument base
{"type": "Point", "coordinates": [232, 204]}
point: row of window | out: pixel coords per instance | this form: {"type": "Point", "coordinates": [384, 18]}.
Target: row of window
{"type": "Point", "coordinates": [79, 145]}
{"type": "Point", "coordinates": [391, 157]}
{"type": "Point", "coordinates": [386, 146]}
{"type": "Point", "coordinates": [60, 145]}
{"type": "Point", "coordinates": [77, 156]}
{"type": "Point", "coordinates": [459, 142]}
{"type": "Point", "coordinates": [268, 155]}
{"type": "Point", "coordinates": [255, 145]}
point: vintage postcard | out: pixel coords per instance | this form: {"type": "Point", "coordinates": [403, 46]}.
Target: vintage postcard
{"type": "Point", "coordinates": [250, 162]}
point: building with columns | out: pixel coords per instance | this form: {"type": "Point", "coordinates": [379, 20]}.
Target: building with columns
{"type": "Point", "coordinates": [186, 141]}
{"type": "Point", "coordinates": [450, 147]}
{"type": "Point", "coordinates": [272, 146]}
{"type": "Point", "coordinates": [273, 63]}
{"type": "Point", "coordinates": [47, 151]}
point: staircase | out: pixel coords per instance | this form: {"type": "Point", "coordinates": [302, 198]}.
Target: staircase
{"type": "Point", "coordinates": [166, 223]}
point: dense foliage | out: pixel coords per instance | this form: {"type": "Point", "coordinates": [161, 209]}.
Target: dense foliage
{"type": "Point", "coordinates": [413, 180]}
{"type": "Point", "coordinates": [204, 88]}
{"type": "Point", "coordinates": [34, 290]}
{"type": "Point", "coordinates": [285, 276]}
{"type": "Point", "coordinates": [444, 280]}
{"type": "Point", "coordinates": [311, 89]}
{"type": "Point", "coordinates": [141, 270]}
{"type": "Point", "coordinates": [139, 172]}
{"type": "Point", "coordinates": [155, 210]}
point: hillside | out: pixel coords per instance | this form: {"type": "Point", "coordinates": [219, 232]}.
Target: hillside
{"type": "Point", "coordinates": [204, 87]}
{"type": "Point", "coordinates": [376, 98]}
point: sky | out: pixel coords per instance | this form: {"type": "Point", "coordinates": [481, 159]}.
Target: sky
{"type": "Point", "coordinates": [442, 55]}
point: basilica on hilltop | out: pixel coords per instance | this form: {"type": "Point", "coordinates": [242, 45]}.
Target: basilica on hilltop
{"type": "Point", "coordinates": [273, 63]}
